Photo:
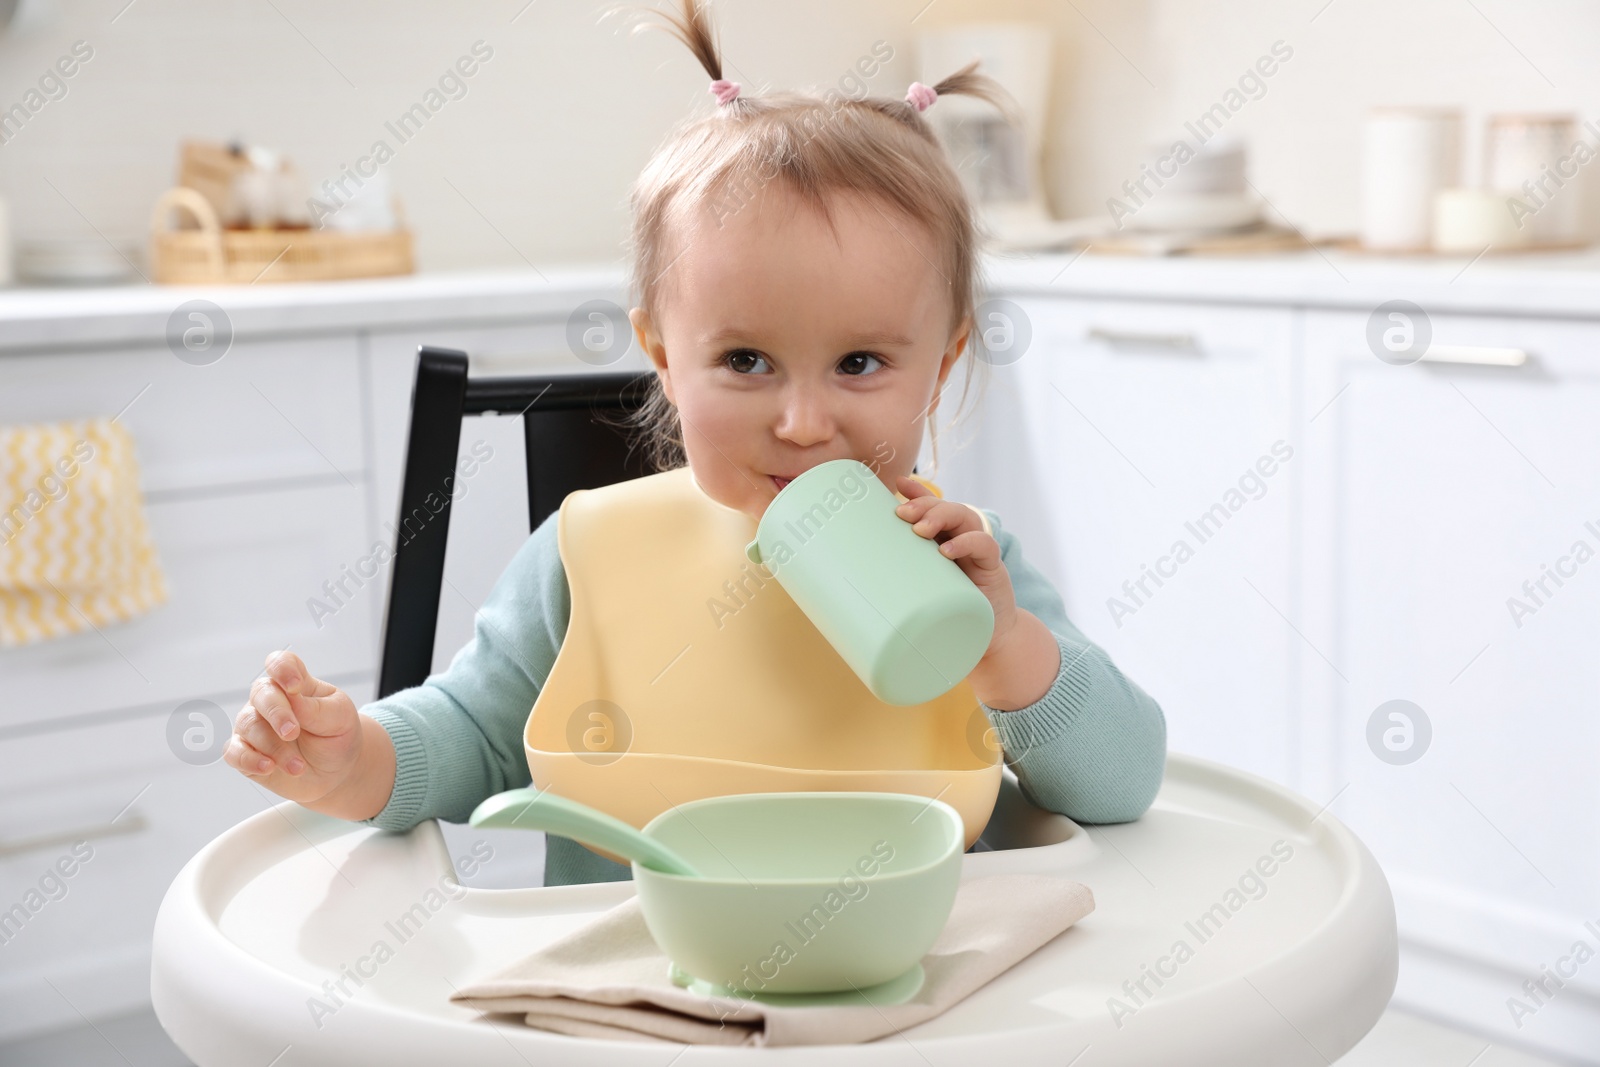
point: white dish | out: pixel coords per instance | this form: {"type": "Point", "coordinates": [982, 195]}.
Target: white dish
{"type": "Point", "coordinates": [76, 261]}
{"type": "Point", "coordinates": [1169, 210]}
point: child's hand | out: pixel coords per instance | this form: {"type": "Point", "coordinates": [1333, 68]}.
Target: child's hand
{"type": "Point", "coordinates": [959, 532]}
{"type": "Point", "coordinates": [299, 737]}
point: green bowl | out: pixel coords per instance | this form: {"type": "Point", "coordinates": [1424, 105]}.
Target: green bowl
{"type": "Point", "coordinates": [803, 893]}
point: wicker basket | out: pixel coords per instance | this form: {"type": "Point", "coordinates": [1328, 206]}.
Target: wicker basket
{"type": "Point", "coordinates": [211, 255]}
{"type": "Point", "coordinates": [209, 169]}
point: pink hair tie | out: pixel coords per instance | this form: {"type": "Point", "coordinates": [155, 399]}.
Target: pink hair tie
{"type": "Point", "coordinates": [920, 96]}
{"type": "Point", "coordinates": [725, 91]}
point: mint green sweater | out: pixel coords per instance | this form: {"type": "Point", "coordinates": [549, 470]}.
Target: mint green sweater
{"type": "Point", "coordinates": [1092, 748]}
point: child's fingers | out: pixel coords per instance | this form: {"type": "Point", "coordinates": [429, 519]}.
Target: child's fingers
{"type": "Point", "coordinates": [269, 701]}
{"type": "Point", "coordinates": [912, 489]}
{"type": "Point", "coordinates": [286, 668]}
{"type": "Point", "coordinates": [943, 516]}
{"type": "Point", "coordinates": [290, 672]}
{"type": "Point", "coordinates": [246, 758]}
{"type": "Point", "coordinates": [912, 510]}
{"type": "Point", "coordinates": [255, 731]}
{"type": "Point", "coordinates": [976, 547]}
{"type": "Point", "coordinates": [258, 742]}
{"type": "Point", "coordinates": [307, 696]}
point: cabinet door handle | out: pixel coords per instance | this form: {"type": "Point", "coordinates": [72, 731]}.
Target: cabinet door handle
{"type": "Point", "coordinates": [1477, 355]}
{"type": "Point", "coordinates": [1170, 342]}
{"type": "Point", "coordinates": [133, 824]}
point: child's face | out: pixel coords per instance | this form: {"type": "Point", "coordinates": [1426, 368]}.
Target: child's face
{"type": "Point", "coordinates": [784, 344]}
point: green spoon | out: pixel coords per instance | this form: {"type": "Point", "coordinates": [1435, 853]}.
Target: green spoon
{"type": "Point", "coordinates": [536, 809]}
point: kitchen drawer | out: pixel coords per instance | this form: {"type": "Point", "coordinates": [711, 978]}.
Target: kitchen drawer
{"type": "Point", "coordinates": [267, 410]}
{"type": "Point", "coordinates": [538, 346]}
{"type": "Point", "coordinates": [1560, 348]}
{"type": "Point", "coordinates": [1163, 404]}
{"type": "Point", "coordinates": [1123, 330]}
{"type": "Point", "coordinates": [240, 569]}
{"type": "Point", "coordinates": [121, 815]}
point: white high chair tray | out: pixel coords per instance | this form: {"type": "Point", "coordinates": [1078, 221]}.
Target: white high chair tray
{"type": "Point", "coordinates": [1290, 968]}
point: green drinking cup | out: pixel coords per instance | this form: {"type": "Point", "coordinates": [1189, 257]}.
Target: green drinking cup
{"type": "Point", "coordinates": [905, 617]}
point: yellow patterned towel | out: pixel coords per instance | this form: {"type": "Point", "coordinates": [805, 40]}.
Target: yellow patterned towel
{"type": "Point", "coordinates": [75, 548]}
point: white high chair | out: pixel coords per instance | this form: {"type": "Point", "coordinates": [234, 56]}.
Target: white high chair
{"type": "Point", "coordinates": [1283, 969]}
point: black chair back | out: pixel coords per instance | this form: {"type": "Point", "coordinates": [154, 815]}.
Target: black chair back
{"type": "Point", "coordinates": [568, 447]}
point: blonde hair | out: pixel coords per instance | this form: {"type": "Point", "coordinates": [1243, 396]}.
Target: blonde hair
{"type": "Point", "coordinates": [879, 148]}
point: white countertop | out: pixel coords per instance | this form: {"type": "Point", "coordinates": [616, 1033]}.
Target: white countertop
{"type": "Point", "coordinates": [34, 318]}
{"type": "Point", "coordinates": [1565, 285]}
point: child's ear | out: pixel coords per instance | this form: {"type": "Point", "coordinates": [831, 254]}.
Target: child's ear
{"type": "Point", "coordinates": [958, 343]}
{"type": "Point", "coordinates": [650, 343]}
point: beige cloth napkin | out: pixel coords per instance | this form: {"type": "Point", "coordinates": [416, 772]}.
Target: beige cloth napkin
{"type": "Point", "coordinates": [610, 980]}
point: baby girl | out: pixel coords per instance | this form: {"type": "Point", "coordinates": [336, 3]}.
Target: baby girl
{"type": "Point", "coordinates": [806, 274]}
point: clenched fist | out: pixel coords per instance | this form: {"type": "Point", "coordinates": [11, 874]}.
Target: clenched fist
{"type": "Point", "coordinates": [300, 737]}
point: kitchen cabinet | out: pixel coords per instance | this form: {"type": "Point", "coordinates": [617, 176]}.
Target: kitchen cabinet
{"type": "Point", "coordinates": [1380, 563]}
{"type": "Point", "coordinates": [1450, 555]}
{"type": "Point", "coordinates": [1145, 457]}
{"type": "Point", "coordinates": [254, 475]}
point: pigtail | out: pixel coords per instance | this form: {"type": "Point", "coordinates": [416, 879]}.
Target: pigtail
{"type": "Point", "coordinates": [693, 29]}
{"type": "Point", "coordinates": [964, 82]}
{"type": "Point", "coordinates": [968, 82]}
{"type": "Point", "coordinates": [691, 26]}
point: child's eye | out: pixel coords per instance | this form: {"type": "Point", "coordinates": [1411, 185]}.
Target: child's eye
{"type": "Point", "coordinates": [735, 360]}
{"type": "Point", "coordinates": [849, 362]}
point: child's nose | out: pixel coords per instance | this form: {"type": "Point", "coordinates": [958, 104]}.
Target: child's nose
{"type": "Point", "coordinates": [805, 419]}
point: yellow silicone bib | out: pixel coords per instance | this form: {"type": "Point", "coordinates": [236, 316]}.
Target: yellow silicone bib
{"type": "Point", "coordinates": [687, 672]}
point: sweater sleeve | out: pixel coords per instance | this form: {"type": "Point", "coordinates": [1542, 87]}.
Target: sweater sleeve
{"type": "Point", "coordinates": [458, 735]}
{"type": "Point", "coordinates": [1093, 748]}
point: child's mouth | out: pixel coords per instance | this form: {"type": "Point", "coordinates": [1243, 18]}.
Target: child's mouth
{"type": "Point", "coordinates": [779, 482]}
